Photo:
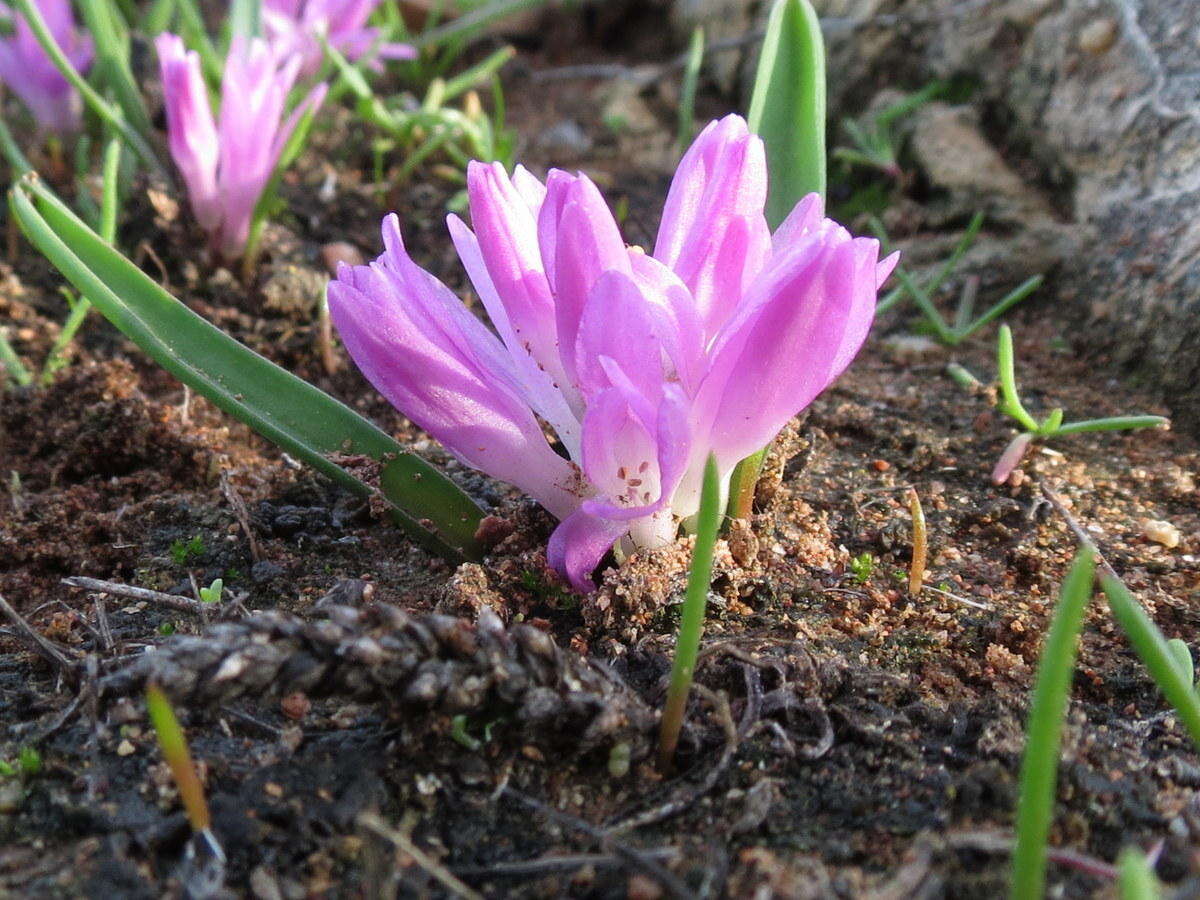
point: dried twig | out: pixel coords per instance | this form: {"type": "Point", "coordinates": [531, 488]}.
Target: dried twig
{"type": "Point", "coordinates": [548, 864]}
{"type": "Point", "coordinates": [174, 601]}
{"type": "Point", "coordinates": [679, 803]}
{"type": "Point", "coordinates": [399, 839]}
{"type": "Point", "coordinates": [1080, 532]}
{"type": "Point", "coordinates": [425, 661]}
{"type": "Point", "coordinates": [647, 864]}
{"type": "Point", "coordinates": [39, 644]}
{"type": "Point", "coordinates": [238, 505]}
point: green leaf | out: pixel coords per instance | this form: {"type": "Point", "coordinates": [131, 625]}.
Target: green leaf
{"type": "Point", "coordinates": [787, 108]}
{"type": "Point", "coordinates": [1039, 766]}
{"type": "Point", "coordinates": [1151, 647]}
{"type": "Point", "coordinates": [1116, 423]}
{"type": "Point", "coordinates": [299, 418]}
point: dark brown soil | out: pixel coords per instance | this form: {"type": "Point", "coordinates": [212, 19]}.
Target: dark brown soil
{"type": "Point", "coordinates": [877, 735]}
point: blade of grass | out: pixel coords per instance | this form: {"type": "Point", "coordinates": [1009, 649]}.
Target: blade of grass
{"type": "Point", "coordinates": [1115, 423]}
{"type": "Point", "coordinates": [691, 625]}
{"type": "Point", "coordinates": [174, 749]}
{"type": "Point", "coordinates": [291, 413]}
{"type": "Point", "coordinates": [157, 17]}
{"type": "Point", "coordinates": [1007, 302]}
{"type": "Point", "coordinates": [1151, 647]}
{"type": "Point", "coordinates": [108, 113]}
{"type": "Point", "coordinates": [472, 21]}
{"type": "Point", "coordinates": [1039, 765]}
{"type": "Point", "coordinates": [925, 303]}
{"type": "Point", "coordinates": [109, 203]}
{"type": "Point", "coordinates": [787, 107]}
{"type": "Point", "coordinates": [111, 40]}
{"type": "Point", "coordinates": [686, 128]}
{"type": "Point", "coordinates": [11, 364]}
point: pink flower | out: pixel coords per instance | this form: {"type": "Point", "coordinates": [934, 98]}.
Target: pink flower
{"type": "Point", "coordinates": [296, 26]}
{"type": "Point", "coordinates": [28, 71]}
{"type": "Point", "coordinates": [642, 365]}
{"type": "Point", "coordinates": [227, 163]}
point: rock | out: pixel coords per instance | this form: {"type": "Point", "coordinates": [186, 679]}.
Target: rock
{"type": "Point", "coordinates": [1161, 532]}
{"type": "Point", "coordinates": [565, 136]}
{"type": "Point", "coordinates": [1095, 103]}
{"type": "Point", "coordinates": [264, 571]}
{"type": "Point", "coordinates": [958, 159]}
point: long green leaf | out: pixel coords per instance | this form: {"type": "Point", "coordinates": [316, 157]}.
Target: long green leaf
{"type": "Point", "coordinates": [289, 412]}
{"type": "Point", "coordinates": [1039, 766]}
{"type": "Point", "coordinates": [787, 108]}
{"type": "Point", "coordinates": [1151, 646]}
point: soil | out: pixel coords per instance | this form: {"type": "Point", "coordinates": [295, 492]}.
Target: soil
{"type": "Point", "coordinates": [848, 740]}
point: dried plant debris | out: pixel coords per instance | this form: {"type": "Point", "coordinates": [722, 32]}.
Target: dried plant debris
{"type": "Point", "coordinates": [425, 661]}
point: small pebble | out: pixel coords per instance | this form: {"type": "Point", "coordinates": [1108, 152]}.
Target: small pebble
{"type": "Point", "coordinates": [295, 706]}
{"type": "Point", "coordinates": [1161, 532]}
{"type": "Point", "coordinates": [333, 254]}
{"type": "Point", "coordinates": [126, 748]}
{"type": "Point", "coordinates": [1098, 36]}
{"type": "Point", "coordinates": [271, 789]}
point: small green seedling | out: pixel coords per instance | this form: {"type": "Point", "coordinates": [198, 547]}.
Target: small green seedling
{"type": "Point", "coordinates": [212, 593]}
{"type": "Point", "coordinates": [874, 144]}
{"type": "Point", "coordinates": [966, 323]}
{"type": "Point", "coordinates": [28, 764]}
{"type": "Point", "coordinates": [1009, 403]}
{"type": "Point", "coordinates": [183, 551]}
{"type": "Point", "coordinates": [861, 567]}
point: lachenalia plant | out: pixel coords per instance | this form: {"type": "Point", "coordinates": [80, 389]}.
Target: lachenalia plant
{"type": "Point", "coordinates": [639, 364]}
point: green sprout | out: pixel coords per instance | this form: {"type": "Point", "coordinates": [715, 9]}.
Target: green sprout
{"type": "Point", "coordinates": [1009, 403]}
{"type": "Point", "coordinates": [965, 323]}
{"type": "Point", "coordinates": [1135, 876]}
{"type": "Point", "coordinates": [861, 567]}
{"type": "Point", "coordinates": [212, 593]}
{"type": "Point", "coordinates": [1039, 765]}
{"type": "Point", "coordinates": [875, 146]}
{"type": "Point", "coordinates": [182, 551]}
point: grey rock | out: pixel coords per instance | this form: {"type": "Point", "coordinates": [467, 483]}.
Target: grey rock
{"type": "Point", "coordinates": [1096, 103]}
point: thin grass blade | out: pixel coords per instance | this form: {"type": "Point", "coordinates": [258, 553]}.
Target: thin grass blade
{"type": "Point", "coordinates": [1151, 647]}
{"type": "Point", "coordinates": [111, 40]}
{"type": "Point", "coordinates": [1007, 302]}
{"type": "Point", "coordinates": [1039, 765]}
{"type": "Point", "coordinates": [686, 127]}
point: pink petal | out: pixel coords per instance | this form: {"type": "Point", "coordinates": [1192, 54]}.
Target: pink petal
{"type": "Point", "coordinates": [579, 543]}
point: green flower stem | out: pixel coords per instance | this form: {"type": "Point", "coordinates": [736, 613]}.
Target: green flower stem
{"type": "Point", "coordinates": [691, 626]}
{"type": "Point", "coordinates": [1039, 766]}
